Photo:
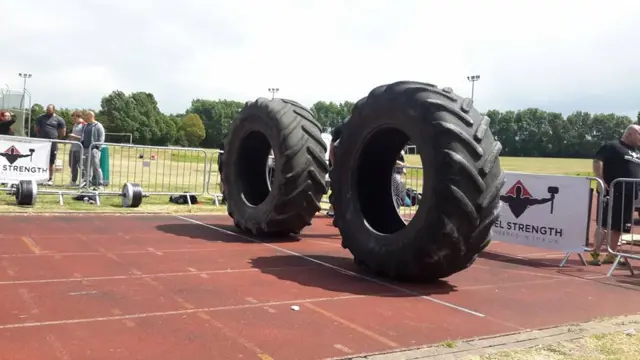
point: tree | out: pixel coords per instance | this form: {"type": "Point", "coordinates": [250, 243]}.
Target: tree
{"type": "Point", "coordinates": [530, 132]}
{"type": "Point", "coordinates": [216, 115]}
{"type": "Point", "coordinates": [192, 130]}
{"type": "Point", "coordinates": [330, 114]}
{"type": "Point", "coordinates": [137, 114]}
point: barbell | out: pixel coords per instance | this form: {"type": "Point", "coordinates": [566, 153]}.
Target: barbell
{"type": "Point", "coordinates": [26, 193]}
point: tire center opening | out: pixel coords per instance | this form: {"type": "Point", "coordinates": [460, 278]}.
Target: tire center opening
{"type": "Point", "coordinates": [253, 168]}
{"type": "Point", "coordinates": [381, 186]}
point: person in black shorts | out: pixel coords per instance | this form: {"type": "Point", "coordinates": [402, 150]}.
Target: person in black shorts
{"type": "Point", "coordinates": [617, 160]}
{"type": "Point", "coordinates": [51, 126]}
{"type": "Point", "coordinates": [335, 136]}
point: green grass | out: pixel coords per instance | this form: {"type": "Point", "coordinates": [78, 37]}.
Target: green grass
{"type": "Point", "coordinates": [555, 166]}
{"type": "Point", "coordinates": [111, 204]}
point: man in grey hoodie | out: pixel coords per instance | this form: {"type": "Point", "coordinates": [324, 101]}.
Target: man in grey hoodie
{"type": "Point", "coordinates": [92, 133]}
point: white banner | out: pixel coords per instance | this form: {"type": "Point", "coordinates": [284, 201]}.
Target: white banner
{"type": "Point", "coordinates": [544, 211]}
{"type": "Point", "coordinates": [24, 159]}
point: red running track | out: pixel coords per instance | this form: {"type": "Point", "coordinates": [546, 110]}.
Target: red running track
{"type": "Point", "coordinates": [166, 287]}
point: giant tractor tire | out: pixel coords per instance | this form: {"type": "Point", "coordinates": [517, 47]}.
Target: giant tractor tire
{"type": "Point", "coordinates": [461, 177]}
{"type": "Point", "coordinates": [294, 198]}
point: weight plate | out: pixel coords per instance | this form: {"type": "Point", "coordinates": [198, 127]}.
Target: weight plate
{"type": "Point", "coordinates": [131, 195]}
{"type": "Point", "coordinates": [26, 193]}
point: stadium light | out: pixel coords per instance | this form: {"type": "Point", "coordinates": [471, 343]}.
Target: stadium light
{"type": "Point", "coordinates": [473, 79]}
{"type": "Point", "coordinates": [24, 77]}
{"type": "Point", "coordinates": [273, 92]}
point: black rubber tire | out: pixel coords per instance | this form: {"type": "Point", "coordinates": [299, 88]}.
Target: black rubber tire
{"type": "Point", "coordinates": [462, 180]}
{"type": "Point", "coordinates": [300, 169]}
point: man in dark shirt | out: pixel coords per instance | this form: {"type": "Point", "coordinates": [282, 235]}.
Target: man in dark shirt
{"type": "Point", "coordinates": [51, 126]}
{"type": "Point", "coordinates": [617, 160]}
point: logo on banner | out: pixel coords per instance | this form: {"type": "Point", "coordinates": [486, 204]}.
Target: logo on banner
{"type": "Point", "coordinates": [23, 161]}
{"type": "Point", "coordinates": [12, 154]}
{"type": "Point", "coordinates": [519, 199]}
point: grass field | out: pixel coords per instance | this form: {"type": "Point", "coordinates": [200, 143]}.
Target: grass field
{"type": "Point", "coordinates": [189, 170]}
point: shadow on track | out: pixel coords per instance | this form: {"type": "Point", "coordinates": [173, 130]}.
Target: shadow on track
{"type": "Point", "coordinates": [338, 280]}
{"type": "Point", "coordinates": [197, 231]}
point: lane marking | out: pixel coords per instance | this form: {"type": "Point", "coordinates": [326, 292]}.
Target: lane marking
{"type": "Point", "coordinates": [124, 252]}
{"type": "Point", "coordinates": [31, 245]}
{"type": "Point", "coordinates": [181, 312]}
{"type": "Point", "coordinates": [353, 326]}
{"type": "Point", "coordinates": [323, 242]}
{"type": "Point", "coordinates": [116, 277]}
{"type": "Point", "coordinates": [515, 271]}
{"type": "Point", "coordinates": [83, 293]}
{"type": "Point", "coordinates": [339, 269]}
{"type": "Point", "coordinates": [343, 348]}
{"type": "Point", "coordinates": [155, 251]}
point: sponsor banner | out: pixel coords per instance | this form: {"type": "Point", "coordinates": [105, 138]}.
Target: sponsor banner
{"type": "Point", "coordinates": [24, 159]}
{"type": "Point", "coordinates": [544, 211]}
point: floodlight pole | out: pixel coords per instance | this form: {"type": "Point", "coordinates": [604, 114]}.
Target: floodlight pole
{"type": "Point", "coordinates": [24, 77]}
{"type": "Point", "coordinates": [473, 79]}
{"type": "Point", "coordinates": [273, 92]}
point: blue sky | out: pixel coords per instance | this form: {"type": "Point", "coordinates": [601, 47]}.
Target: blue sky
{"type": "Point", "coordinates": [556, 55]}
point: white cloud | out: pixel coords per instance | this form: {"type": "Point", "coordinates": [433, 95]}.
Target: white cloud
{"type": "Point", "coordinates": [557, 55]}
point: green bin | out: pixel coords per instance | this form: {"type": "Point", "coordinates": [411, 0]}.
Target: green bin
{"type": "Point", "coordinates": [104, 165]}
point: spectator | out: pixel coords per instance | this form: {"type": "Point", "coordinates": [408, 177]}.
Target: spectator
{"type": "Point", "coordinates": [92, 133]}
{"type": "Point", "coordinates": [220, 155]}
{"type": "Point", "coordinates": [617, 160]}
{"type": "Point", "coordinates": [6, 121]}
{"type": "Point", "coordinates": [52, 127]}
{"type": "Point", "coordinates": [397, 184]}
{"type": "Point", "coordinates": [75, 154]}
{"type": "Point", "coordinates": [336, 133]}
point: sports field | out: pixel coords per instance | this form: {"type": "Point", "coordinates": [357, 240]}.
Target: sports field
{"type": "Point", "coordinates": [163, 171]}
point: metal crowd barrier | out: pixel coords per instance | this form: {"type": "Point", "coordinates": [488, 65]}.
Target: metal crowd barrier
{"type": "Point", "coordinates": [598, 230]}
{"type": "Point", "coordinates": [411, 179]}
{"type": "Point", "coordinates": [620, 215]}
{"type": "Point", "coordinates": [61, 179]}
{"type": "Point", "coordinates": [160, 170]}
{"type": "Point", "coordinates": [214, 180]}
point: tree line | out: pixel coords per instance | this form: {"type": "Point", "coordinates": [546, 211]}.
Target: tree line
{"type": "Point", "coordinates": [529, 132]}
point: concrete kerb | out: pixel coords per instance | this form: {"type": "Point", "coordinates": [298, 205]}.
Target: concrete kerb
{"type": "Point", "coordinates": [507, 342]}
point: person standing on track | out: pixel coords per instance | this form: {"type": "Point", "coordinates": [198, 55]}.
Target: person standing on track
{"type": "Point", "coordinates": [75, 154]}
{"type": "Point", "coordinates": [617, 160]}
{"type": "Point", "coordinates": [92, 133]}
{"type": "Point", "coordinates": [52, 127]}
{"type": "Point", "coordinates": [336, 133]}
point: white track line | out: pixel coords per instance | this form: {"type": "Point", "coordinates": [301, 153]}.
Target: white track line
{"type": "Point", "coordinates": [138, 276]}
{"type": "Point", "coordinates": [339, 269]}
{"type": "Point", "coordinates": [182, 312]}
